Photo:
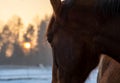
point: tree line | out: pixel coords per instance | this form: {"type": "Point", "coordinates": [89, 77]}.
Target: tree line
{"type": "Point", "coordinates": [14, 34]}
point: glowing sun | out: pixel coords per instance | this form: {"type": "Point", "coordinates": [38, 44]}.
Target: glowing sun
{"type": "Point", "coordinates": [27, 45]}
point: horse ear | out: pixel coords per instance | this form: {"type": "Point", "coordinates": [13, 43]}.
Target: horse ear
{"type": "Point", "coordinates": [56, 4]}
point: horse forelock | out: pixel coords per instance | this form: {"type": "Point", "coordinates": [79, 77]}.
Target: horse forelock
{"type": "Point", "coordinates": [109, 7]}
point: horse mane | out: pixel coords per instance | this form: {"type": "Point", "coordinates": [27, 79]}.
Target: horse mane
{"type": "Point", "coordinates": [109, 7]}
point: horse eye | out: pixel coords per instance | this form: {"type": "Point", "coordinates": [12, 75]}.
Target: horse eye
{"type": "Point", "coordinates": [50, 37]}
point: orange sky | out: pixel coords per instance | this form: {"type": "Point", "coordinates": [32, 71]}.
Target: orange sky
{"type": "Point", "coordinates": [26, 9]}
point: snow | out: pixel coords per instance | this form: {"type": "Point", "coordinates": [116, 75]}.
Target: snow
{"type": "Point", "coordinates": [92, 77]}
{"type": "Point", "coordinates": [25, 75]}
{"type": "Point", "coordinates": [32, 75]}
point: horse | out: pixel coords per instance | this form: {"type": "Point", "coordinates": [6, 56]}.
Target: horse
{"type": "Point", "coordinates": [109, 70]}
{"type": "Point", "coordinates": [79, 32]}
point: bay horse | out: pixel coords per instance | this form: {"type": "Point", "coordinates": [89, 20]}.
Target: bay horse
{"type": "Point", "coordinates": [79, 32]}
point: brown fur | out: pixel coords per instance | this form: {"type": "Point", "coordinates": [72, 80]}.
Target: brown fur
{"type": "Point", "coordinates": [78, 35]}
{"type": "Point", "coordinates": [109, 71]}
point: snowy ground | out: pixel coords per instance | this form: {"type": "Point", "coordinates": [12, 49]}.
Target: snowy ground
{"type": "Point", "coordinates": [22, 74]}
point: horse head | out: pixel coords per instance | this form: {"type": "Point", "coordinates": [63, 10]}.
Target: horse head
{"type": "Point", "coordinates": [75, 33]}
{"type": "Point", "coordinates": [74, 55]}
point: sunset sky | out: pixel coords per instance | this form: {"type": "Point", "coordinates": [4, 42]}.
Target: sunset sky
{"type": "Point", "coordinates": [26, 9]}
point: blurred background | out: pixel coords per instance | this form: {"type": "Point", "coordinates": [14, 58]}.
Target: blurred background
{"type": "Point", "coordinates": [23, 26]}
{"type": "Point", "coordinates": [25, 55]}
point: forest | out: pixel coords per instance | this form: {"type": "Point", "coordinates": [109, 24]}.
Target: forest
{"type": "Point", "coordinates": [22, 44]}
